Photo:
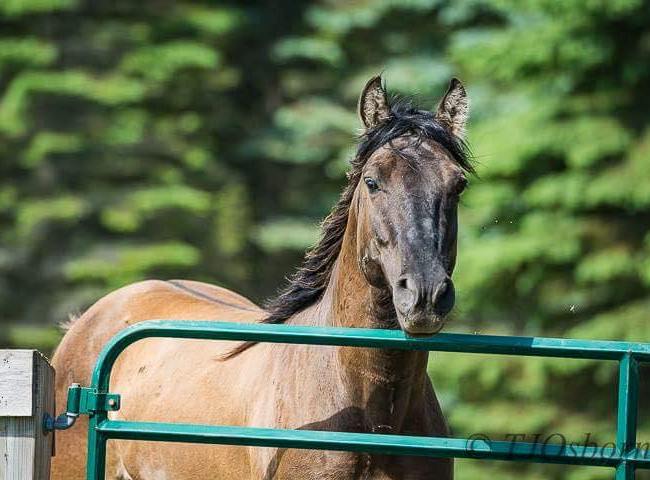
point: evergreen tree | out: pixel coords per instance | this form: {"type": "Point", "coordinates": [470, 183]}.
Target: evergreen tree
{"type": "Point", "coordinates": [178, 139]}
{"type": "Point", "coordinates": [114, 124]}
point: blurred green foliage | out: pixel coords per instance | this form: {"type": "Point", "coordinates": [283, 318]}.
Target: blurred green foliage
{"type": "Point", "coordinates": [178, 139]}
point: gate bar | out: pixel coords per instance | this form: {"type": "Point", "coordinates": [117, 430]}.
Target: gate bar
{"type": "Point", "coordinates": [624, 457]}
{"type": "Point", "coordinates": [372, 443]}
{"type": "Point", "coordinates": [628, 405]}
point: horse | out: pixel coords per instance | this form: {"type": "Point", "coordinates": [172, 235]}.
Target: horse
{"type": "Point", "coordinates": [385, 259]}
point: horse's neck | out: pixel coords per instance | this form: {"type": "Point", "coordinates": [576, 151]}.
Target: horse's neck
{"type": "Point", "coordinates": [385, 383]}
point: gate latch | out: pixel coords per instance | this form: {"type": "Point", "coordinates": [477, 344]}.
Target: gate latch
{"type": "Point", "coordinates": [81, 401]}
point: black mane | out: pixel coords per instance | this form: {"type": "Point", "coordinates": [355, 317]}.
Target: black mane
{"type": "Point", "coordinates": [307, 284]}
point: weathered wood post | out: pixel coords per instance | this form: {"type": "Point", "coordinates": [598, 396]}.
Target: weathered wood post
{"type": "Point", "coordinates": [26, 394]}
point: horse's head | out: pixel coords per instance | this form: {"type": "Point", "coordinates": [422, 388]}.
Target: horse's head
{"type": "Point", "coordinates": [413, 166]}
{"type": "Point", "coordinates": [403, 190]}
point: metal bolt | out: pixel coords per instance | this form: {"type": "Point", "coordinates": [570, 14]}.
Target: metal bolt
{"type": "Point", "coordinates": [112, 402]}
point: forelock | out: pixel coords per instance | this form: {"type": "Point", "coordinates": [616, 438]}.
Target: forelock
{"type": "Point", "coordinates": [408, 120]}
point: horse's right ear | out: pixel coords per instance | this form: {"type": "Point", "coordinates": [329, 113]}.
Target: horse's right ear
{"type": "Point", "coordinates": [373, 104]}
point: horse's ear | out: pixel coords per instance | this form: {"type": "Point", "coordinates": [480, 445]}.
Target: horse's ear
{"type": "Point", "coordinates": [373, 104]}
{"type": "Point", "coordinates": [453, 110]}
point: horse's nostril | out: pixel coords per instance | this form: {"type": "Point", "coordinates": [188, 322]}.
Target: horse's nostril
{"type": "Point", "coordinates": [444, 298]}
{"type": "Point", "coordinates": [404, 296]}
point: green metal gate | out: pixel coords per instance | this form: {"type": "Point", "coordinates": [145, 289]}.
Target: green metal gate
{"type": "Point", "coordinates": [625, 457]}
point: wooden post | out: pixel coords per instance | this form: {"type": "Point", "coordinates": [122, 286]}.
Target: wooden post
{"type": "Point", "coordinates": [26, 394]}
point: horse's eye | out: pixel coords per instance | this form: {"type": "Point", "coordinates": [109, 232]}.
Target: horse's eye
{"type": "Point", "coordinates": [461, 185]}
{"type": "Point", "coordinates": [371, 184]}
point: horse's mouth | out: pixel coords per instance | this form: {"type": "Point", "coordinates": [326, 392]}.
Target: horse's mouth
{"type": "Point", "coordinates": [421, 335]}
{"type": "Point", "coordinates": [423, 328]}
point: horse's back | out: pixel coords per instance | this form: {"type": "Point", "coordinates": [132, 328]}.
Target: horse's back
{"type": "Point", "coordinates": [147, 300]}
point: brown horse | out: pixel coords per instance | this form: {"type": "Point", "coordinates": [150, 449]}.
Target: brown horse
{"type": "Point", "coordinates": [385, 260]}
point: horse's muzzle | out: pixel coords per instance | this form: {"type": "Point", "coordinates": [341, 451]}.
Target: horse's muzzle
{"type": "Point", "coordinates": [421, 309]}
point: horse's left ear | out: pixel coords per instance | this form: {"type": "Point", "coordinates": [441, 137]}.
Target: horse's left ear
{"type": "Point", "coordinates": [453, 110]}
{"type": "Point", "coordinates": [373, 104]}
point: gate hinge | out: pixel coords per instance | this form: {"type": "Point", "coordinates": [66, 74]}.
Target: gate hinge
{"type": "Point", "coordinates": [82, 401]}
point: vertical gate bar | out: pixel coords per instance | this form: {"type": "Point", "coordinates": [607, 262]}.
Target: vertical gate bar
{"type": "Point", "coordinates": [628, 404]}
{"type": "Point", "coordinates": [625, 471]}
{"type": "Point", "coordinates": [96, 464]}
{"type": "Point", "coordinates": [96, 459]}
